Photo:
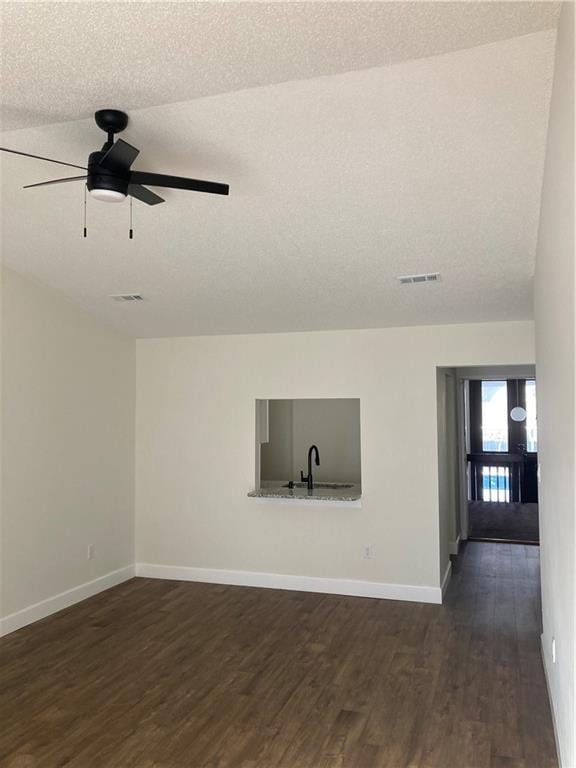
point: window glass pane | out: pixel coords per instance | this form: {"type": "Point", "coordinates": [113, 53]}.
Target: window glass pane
{"type": "Point", "coordinates": [494, 416]}
{"type": "Point", "coordinates": [531, 431]}
{"type": "Point", "coordinates": [495, 484]}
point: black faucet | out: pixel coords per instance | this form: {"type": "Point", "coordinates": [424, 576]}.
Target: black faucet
{"type": "Point", "coordinates": [310, 479]}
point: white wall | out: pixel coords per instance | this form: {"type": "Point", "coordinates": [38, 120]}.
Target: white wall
{"type": "Point", "coordinates": [67, 446]}
{"type": "Point", "coordinates": [555, 360]}
{"type": "Point", "coordinates": [333, 425]}
{"type": "Point", "coordinates": [277, 455]}
{"type": "Point", "coordinates": [1, 461]}
{"type": "Point", "coordinates": [195, 456]}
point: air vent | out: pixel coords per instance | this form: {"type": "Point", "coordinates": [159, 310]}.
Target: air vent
{"type": "Point", "coordinates": [431, 277]}
{"type": "Point", "coordinates": [127, 297]}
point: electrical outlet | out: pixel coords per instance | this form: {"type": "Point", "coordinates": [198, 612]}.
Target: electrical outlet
{"type": "Point", "coordinates": [368, 552]}
{"type": "Point", "coordinates": [553, 650]}
{"type": "Point", "coordinates": [90, 552]}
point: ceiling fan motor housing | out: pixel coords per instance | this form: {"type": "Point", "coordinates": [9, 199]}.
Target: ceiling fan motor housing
{"type": "Point", "coordinates": [100, 178]}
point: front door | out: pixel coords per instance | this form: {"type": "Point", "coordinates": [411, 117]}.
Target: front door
{"type": "Point", "coordinates": [502, 456]}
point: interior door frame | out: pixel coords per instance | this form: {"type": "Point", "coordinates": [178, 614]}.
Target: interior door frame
{"type": "Point", "coordinates": [463, 375]}
{"type": "Point", "coordinates": [462, 453]}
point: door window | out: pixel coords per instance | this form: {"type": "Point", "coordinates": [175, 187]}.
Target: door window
{"type": "Point", "coordinates": [531, 429]}
{"type": "Point", "coordinates": [494, 416]}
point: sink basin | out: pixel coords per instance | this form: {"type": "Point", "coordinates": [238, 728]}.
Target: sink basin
{"type": "Point", "coordinates": [325, 486]}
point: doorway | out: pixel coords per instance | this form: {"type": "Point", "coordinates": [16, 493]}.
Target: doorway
{"type": "Point", "coordinates": [501, 459]}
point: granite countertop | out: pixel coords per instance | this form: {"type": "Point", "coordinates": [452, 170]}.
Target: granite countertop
{"type": "Point", "coordinates": [321, 492]}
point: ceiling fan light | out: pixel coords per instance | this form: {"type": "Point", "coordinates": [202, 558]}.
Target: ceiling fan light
{"type": "Point", "coordinates": [108, 195]}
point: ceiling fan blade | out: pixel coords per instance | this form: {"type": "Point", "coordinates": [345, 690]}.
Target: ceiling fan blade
{"type": "Point", "coordinates": [146, 195]}
{"type": "Point", "coordinates": [54, 181]}
{"type": "Point", "coordinates": [178, 182]}
{"type": "Point", "coordinates": [39, 157]}
{"type": "Point", "coordinates": [119, 157]}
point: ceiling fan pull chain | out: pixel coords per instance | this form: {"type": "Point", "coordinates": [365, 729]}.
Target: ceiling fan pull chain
{"type": "Point", "coordinates": [131, 230]}
{"type": "Point", "coordinates": [85, 231]}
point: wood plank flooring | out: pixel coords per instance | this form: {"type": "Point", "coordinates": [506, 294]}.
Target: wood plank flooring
{"type": "Point", "coordinates": [501, 520]}
{"type": "Point", "coordinates": [159, 674]}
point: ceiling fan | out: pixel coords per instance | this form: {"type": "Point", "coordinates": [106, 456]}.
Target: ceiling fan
{"type": "Point", "coordinates": [109, 177]}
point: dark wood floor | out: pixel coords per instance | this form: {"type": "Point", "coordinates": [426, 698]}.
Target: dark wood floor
{"type": "Point", "coordinates": [159, 674]}
{"type": "Point", "coordinates": [500, 520]}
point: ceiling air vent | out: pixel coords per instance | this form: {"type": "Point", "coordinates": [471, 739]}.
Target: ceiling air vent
{"type": "Point", "coordinates": [430, 277]}
{"type": "Point", "coordinates": [127, 297]}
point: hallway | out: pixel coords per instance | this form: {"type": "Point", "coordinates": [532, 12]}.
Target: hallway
{"type": "Point", "coordinates": [497, 689]}
{"type": "Point", "coordinates": [174, 674]}
{"type": "Point", "coordinates": [506, 521]}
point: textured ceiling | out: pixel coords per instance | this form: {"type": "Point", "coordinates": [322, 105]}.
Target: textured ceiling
{"type": "Point", "coordinates": [62, 60]}
{"type": "Point", "coordinates": [338, 185]}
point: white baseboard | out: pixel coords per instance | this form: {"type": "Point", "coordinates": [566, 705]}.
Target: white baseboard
{"type": "Point", "coordinates": [349, 587]}
{"type": "Point", "coordinates": [63, 600]}
{"type": "Point", "coordinates": [446, 578]}
{"type": "Point", "coordinates": [455, 546]}
{"type": "Point", "coordinates": [551, 700]}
